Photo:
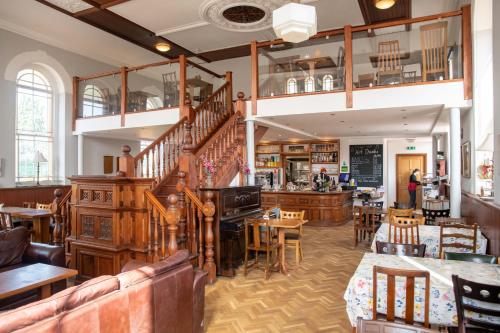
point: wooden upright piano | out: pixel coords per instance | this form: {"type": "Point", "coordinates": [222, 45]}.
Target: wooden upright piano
{"type": "Point", "coordinates": [233, 205]}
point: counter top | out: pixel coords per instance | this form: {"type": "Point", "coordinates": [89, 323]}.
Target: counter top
{"type": "Point", "coordinates": [306, 192]}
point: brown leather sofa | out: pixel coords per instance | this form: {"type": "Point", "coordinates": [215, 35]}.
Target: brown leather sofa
{"type": "Point", "coordinates": [164, 297]}
{"type": "Point", "coordinates": [17, 251]}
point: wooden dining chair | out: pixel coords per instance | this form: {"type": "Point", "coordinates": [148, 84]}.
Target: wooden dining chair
{"type": "Point", "coordinates": [406, 228]}
{"type": "Point", "coordinates": [399, 212]}
{"type": "Point", "coordinates": [44, 206]}
{"type": "Point", "coordinates": [6, 222]}
{"type": "Point", "coordinates": [258, 238]}
{"type": "Point", "coordinates": [378, 205]}
{"type": "Point", "coordinates": [293, 239]}
{"type": "Point", "coordinates": [389, 63]}
{"type": "Point", "coordinates": [457, 236]}
{"type": "Point", "coordinates": [450, 220]}
{"type": "Point", "coordinates": [482, 302]}
{"type": "Point", "coordinates": [410, 276]}
{"type": "Point", "coordinates": [380, 326]}
{"type": "Point", "coordinates": [471, 257]}
{"type": "Point", "coordinates": [365, 222]}
{"type": "Point", "coordinates": [432, 214]}
{"type": "Point", "coordinates": [408, 250]}
{"type": "Point", "coordinates": [434, 45]}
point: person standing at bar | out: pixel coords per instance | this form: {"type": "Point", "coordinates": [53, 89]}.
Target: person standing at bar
{"type": "Point", "coordinates": [412, 188]}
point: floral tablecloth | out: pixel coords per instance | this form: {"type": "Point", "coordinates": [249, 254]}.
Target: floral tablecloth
{"type": "Point", "coordinates": [359, 292]}
{"type": "Point", "coordinates": [428, 235]}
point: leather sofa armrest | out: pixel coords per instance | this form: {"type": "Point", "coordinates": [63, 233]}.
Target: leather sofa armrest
{"type": "Point", "coordinates": [45, 254]}
{"type": "Point", "coordinates": [199, 282]}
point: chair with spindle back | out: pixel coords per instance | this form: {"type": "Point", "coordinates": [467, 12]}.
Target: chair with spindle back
{"type": "Point", "coordinates": [376, 326]}
{"type": "Point", "coordinates": [293, 239]}
{"type": "Point", "coordinates": [407, 229]}
{"type": "Point", "coordinates": [377, 204]}
{"type": "Point", "coordinates": [408, 250]}
{"type": "Point", "coordinates": [6, 221]}
{"type": "Point", "coordinates": [44, 206]}
{"type": "Point", "coordinates": [434, 44]}
{"type": "Point", "coordinates": [262, 241]}
{"type": "Point", "coordinates": [482, 302]}
{"type": "Point", "coordinates": [458, 236]}
{"type": "Point", "coordinates": [365, 221]}
{"type": "Point", "coordinates": [399, 212]}
{"type": "Point", "coordinates": [410, 276]}
{"type": "Point", "coordinates": [389, 63]}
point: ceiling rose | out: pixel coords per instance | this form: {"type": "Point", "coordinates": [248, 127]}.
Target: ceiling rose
{"type": "Point", "coordinates": [245, 15]}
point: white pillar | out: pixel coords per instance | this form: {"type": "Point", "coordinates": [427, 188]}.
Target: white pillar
{"type": "Point", "coordinates": [80, 154]}
{"type": "Point", "coordinates": [455, 162]}
{"type": "Point", "coordinates": [251, 150]}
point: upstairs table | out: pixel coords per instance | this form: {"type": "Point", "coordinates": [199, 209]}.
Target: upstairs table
{"type": "Point", "coordinates": [429, 235]}
{"type": "Point", "coordinates": [442, 306]}
{"type": "Point", "coordinates": [40, 218]}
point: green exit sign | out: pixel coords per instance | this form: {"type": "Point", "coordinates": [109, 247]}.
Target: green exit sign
{"type": "Point", "coordinates": [410, 148]}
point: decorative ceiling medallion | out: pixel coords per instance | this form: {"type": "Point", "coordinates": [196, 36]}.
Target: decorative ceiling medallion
{"type": "Point", "coordinates": [245, 15]}
{"type": "Point", "coordinates": [72, 6]}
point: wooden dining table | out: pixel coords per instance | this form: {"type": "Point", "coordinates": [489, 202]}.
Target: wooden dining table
{"type": "Point", "coordinates": [282, 225]}
{"type": "Point", "coordinates": [40, 218]}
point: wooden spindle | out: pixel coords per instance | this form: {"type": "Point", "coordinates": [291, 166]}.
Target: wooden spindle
{"type": "Point", "coordinates": [209, 212]}
{"type": "Point", "coordinates": [156, 222]}
{"type": "Point", "coordinates": [56, 210]}
{"type": "Point", "coordinates": [181, 185]}
{"type": "Point", "coordinates": [201, 234]}
{"type": "Point", "coordinates": [172, 220]}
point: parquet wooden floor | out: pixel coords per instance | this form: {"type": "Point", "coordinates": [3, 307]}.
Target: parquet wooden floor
{"type": "Point", "coordinates": [310, 299]}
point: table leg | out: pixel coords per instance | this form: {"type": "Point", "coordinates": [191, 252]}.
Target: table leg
{"type": "Point", "coordinates": [46, 291]}
{"type": "Point", "coordinates": [45, 228]}
{"type": "Point", "coordinates": [37, 227]}
{"type": "Point", "coordinates": [281, 240]}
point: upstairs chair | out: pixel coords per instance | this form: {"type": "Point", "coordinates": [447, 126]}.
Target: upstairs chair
{"type": "Point", "coordinates": [6, 221]}
{"type": "Point", "coordinates": [339, 71]}
{"type": "Point", "coordinates": [471, 257]}
{"type": "Point", "coordinates": [407, 228]}
{"type": "Point", "coordinates": [476, 302]}
{"type": "Point", "coordinates": [458, 236]}
{"type": "Point", "coordinates": [170, 89]}
{"type": "Point", "coordinates": [258, 238]}
{"type": "Point", "coordinates": [365, 221]}
{"type": "Point", "coordinates": [431, 215]}
{"type": "Point", "coordinates": [293, 239]}
{"type": "Point", "coordinates": [408, 250]}
{"type": "Point", "coordinates": [364, 80]}
{"type": "Point", "coordinates": [379, 326]}
{"type": "Point", "coordinates": [434, 44]}
{"type": "Point", "coordinates": [398, 212]}
{"type": "Point", "coordinates": [410, 275]}
{"type": "Point", "coordinates": [389, 63]}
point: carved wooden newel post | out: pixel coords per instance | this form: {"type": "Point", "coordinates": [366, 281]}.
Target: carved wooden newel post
{"type": "Point", "coordinates": [181, 185]}
{"type": "Point", "coordinates": [126, 164]}
{"type": "Point", "coordinates": [209, 212]}
{"type": "Point", "coordinates": [172, 220]}
{"type": "Point", "coordinates": [56, 210]}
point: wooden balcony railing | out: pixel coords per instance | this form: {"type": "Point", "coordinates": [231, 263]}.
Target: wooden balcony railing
{"type": "Point", "coordinates": [278, 72]}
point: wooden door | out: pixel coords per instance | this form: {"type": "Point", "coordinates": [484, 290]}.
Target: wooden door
{"type": "Point", "coordinates": [405, 164]}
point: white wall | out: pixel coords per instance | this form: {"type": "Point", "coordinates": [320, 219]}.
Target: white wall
{"type": "Point", "coordinates": [94, 149]}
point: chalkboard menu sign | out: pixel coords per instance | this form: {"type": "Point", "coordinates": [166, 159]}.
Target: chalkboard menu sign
{"type": "Point", "coordinates": [366, 163]}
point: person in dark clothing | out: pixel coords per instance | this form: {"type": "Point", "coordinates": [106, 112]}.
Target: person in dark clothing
{"type": "Point", "coordinates": [412, 188]}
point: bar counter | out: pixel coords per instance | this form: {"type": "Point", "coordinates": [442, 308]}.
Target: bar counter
{"type": "Point", "coordinates": [322, 208]}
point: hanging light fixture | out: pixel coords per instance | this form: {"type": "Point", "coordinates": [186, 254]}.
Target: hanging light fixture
{"type": "Point", "coordinates": [162, 46]}
{"type": "Point", "coordinates": [384, 4]}
{"type": "Point", "coordinates": [295, 22]}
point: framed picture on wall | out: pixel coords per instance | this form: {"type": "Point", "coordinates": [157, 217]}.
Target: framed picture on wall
{"type": "Point", "coordinates": [466, 159]}
{"type": "Point", "coordinates": [108, 164]}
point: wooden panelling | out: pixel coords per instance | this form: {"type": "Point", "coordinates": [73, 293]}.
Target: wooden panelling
{"type": "Point", "coordinates": [487, 216]}
{"type": "Point", "coordinates": [42, 194]}
{"type": "Point", "coordinates": [227, 53]}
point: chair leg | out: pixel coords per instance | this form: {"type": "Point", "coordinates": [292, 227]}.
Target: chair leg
{"type": "Point", "coordinates": [355, 237]}
{"type": "Point", "coordinates": [246, 263]}
{"type": "Point", "coordinates": [267, 271]}
{"type": "Point", "coordinates": [300, 250]}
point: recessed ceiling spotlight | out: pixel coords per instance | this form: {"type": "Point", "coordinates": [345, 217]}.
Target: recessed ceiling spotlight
{"type": "Point", "coordinates": [405, 124]}
{"type": "Point", "coordinates": [342, 121]}
{"type": "Point", "coordinates": [405, 117]}
{"type": "Point", "coordinates": [384, 4]}
{"type": "Point", "coordinates": [162, 46]}
{"type": "Point", "coordinates": [403, 110]}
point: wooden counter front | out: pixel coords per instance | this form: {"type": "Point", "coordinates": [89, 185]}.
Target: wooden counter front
{"type": "Point", "coordinates": [322, 209]}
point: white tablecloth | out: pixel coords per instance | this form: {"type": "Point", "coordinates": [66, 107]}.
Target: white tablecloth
{"type": "Point", "coordinates": [429, 235]}
{"type": "Point", "coordinates": [359, 292]}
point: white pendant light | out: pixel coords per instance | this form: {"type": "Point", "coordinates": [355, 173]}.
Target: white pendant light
{"type": "Point", "coordinates": [295, 22]}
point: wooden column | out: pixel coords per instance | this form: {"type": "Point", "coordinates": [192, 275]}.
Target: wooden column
{"type": "Point", "coordinates": [126, 163]}
{"type": "Point", "coordinates": [75, 101]}
{"type": "Point", "coordinates": [229, 94]}
{"type": "Point", "coordinates": [123, 100]}
{"type": "Point", "coordinates": [56, 209]}
{"type": "Point", "coordinates": [172, 220]}
{"type": "Point", "coordinates": [181, 185]}
{"type": "Point", "coordinates": [348, 64]}
{"type": "Point", "coordinates": [209, 212]}
{"type": "Point", "coordinates": [182, 85]}
{"type": "Point", "coordinates": [467, 51]}
{"type": "Point", "coordinates": [255, 76]}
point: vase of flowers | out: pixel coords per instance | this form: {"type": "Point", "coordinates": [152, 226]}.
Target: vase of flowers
{"type": "Point", "coordinates": [209, 168]}
{"type": "Point", "coordinates": [245, 170]}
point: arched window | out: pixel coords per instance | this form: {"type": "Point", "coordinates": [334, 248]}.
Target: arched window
{"type": "Point", "coordinates": [291, 86]}
{"type": "Point", "coordinates": [153, 103]}
{"type": "Point", "coordinates": [34, 126]}
{"type": "Point", "coordinates": [327, 82]}
{"type": "Point", "coordinates": [309, 84]}
{"type": "Point", "coordinates": [93, 101]}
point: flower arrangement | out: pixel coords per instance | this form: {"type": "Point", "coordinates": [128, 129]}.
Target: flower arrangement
{"type": "Point", "coordinates": [244, 168]}
{"type": "Point", "coordinates": [208, 165]}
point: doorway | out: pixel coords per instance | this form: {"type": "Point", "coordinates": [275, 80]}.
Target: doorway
{"type": "Point", "coordinates": [405, 164]}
